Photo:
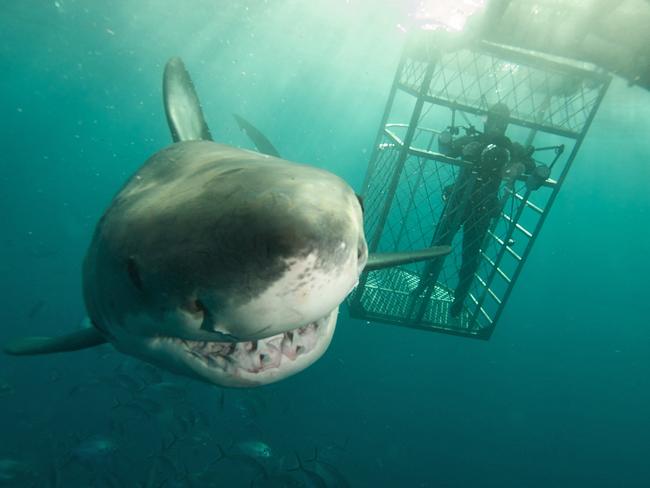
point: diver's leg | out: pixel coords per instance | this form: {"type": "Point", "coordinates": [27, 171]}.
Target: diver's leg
{"type": "Point", "coordinates": [447, 228]}
{"type": "Point", "coordinates": [446, 231]}
{"type": "Point", "coordinates": [474, 231]}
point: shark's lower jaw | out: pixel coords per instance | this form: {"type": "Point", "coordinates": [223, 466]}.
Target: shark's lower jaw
{"type": "Point", "coordinates": [245, 363]}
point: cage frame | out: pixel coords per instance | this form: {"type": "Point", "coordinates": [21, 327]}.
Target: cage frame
{"type": "Point", "coordinates": [421, 48]}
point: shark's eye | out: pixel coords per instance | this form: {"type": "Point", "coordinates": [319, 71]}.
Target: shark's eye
{"type": "Point", "coordinates": [361, 250]}
{"type": "Point", "coordinates": [134, 274]}
{"type": "Point", "coordinates": [195, 306]}
{"type": "Point", "coordinates": [360, 198]}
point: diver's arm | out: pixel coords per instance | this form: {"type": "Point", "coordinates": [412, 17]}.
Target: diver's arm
{"type": "Point", "coordinates": [511, 172]}
{"type": "Point", "coordinates": [451, 147]}
{"type": "Point", "coordinates": [524, 155]}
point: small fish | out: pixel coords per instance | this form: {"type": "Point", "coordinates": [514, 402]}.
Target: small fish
{"type": "Point", "coordinates": [201, 438]}
{"type": "Point", "coordinates": [129, 383]}
{"type": "Point", "coordinates": [170, 390]}
{"type": "Point", "coordinates": [330, 472]}
{"type": "Point", "coordinates": [93, 448]}
{"type": "Point", "coordinates": [279, 480]}
{"type": "Point", "coordinates": [314, 478]}
{"type": "Point", "coordinates": [134, 407]}
{"type": "Point", "coordinates": [12, 470]}
{"type": "Point", "coordinates": [246, 409]}
{"type": "Point", "coordinates": [151, 406]}
{"type": "Point", "coordinates": [254, 448]}
{"type": "Point", "coordinates": [149, 374]}
{"type": "Point", "coordinates": [252, 461]}
{"type": "Point", "coordinates": [84, 386]}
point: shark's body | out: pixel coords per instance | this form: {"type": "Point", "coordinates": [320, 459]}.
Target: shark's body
{"type": "Point", "coordinates": [220, 263]}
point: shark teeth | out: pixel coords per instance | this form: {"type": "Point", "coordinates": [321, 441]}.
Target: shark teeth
{"type": "Point", "coordinates": [258, 355]}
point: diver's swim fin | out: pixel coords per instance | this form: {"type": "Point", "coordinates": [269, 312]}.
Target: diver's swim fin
{"type": "Point", "coordinates": [261, 142]}
{"type": "Point", "coordinates": [389, 259]}
{"type": "Point", "coordinates": [182, 106]}
{"type": "Point", "coordinates": [80, 339]}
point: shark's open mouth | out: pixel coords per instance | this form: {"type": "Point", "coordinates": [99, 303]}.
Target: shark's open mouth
{"type": "Point", "coordinates": [263, 354]}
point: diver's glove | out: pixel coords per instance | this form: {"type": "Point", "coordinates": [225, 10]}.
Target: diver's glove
{"type": "Point", "coordinates": [537, 177]}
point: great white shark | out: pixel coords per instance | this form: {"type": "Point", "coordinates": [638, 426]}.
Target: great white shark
{"type": "Point", "coordinates": [219, 263]}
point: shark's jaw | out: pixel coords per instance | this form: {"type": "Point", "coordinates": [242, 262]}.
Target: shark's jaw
{"type": "Point", "coordinates": [234, 343]}
{"type": "Point", "coordinates": [235, 364]}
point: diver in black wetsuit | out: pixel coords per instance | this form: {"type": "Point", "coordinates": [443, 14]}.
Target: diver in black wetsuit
{"type": "Point", "coordinates": [472, 200]}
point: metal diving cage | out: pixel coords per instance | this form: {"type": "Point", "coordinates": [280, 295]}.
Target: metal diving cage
{"type": "Point", "coordinates": [552, 102]}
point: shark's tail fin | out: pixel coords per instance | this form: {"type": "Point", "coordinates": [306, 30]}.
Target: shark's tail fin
{"type": "Point", "coordinates": [182, 106]}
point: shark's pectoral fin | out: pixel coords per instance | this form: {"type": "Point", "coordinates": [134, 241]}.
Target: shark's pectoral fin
{"type": "Point", "coordinates": [80, 339]}
{"type": "Point", "coordinates": [182, 106]}
{"type": "Point", "coordinates": [261, 142]}
{"type": "Point", "coordinates": [389, 259]}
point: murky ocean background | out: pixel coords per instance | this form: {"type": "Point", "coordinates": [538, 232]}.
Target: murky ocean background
{"type": "Point", "coordinates": [558, 397]}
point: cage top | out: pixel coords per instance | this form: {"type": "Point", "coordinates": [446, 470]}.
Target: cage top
{"type": "Point", "coordinates": [543, 92]}
{"type": "Point", "coordinates": [430, 45]}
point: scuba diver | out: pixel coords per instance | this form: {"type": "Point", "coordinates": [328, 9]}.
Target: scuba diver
{"type": "Point", "coordinates": [472, 200]}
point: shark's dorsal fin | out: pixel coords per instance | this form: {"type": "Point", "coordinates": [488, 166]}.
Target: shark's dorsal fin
{"type": "Point", "coordinates": [80, 339]}
{"type": "Point", "coordinates": [182, 106]}
{"type": "Point", "coordinates": [389, 259]}
{"type": "Point", "coordinates": [261, 142]}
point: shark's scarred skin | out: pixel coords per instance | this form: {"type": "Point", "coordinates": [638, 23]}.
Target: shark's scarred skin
{"type": "Point", "coordinates": [219, 263]}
